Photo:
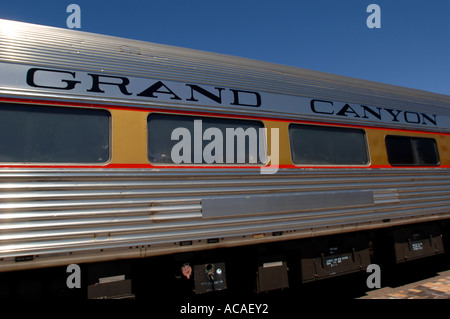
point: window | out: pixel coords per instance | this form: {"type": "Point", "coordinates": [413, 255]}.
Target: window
{"type": "Point", "coordinates": [180, 139]}
{"type": "Point", "coordinates": [323, 145]}
{"type": "Point", "coordinates": [405, 150]}
{"type": "Point", "coordinates": [42, 134]}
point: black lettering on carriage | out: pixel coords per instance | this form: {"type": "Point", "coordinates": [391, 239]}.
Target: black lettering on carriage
{"type": "Point", "coordinates": [347, 109]}
{"type": "Point", "coordinates": [67, 80]}
{"type": "Point", "coordinates": [365, 112]}
{"type": "Point", "coordinates": [371, 111]}
{"type": "Point", "coordinates": [96, 83]}
{"type": "Point", "coordinates": [216, 98]}
{"type": "Point", "coordinates": [238, 93]}
{"type": "Point", "coordinates": [426, 116]}
{"type": "Point", "coordinates": [394, 115]}
{"type": "Point", "coordinates": [412, 117]}
{"type": "Point", "coordinates": [155, 88]}
{"type": "Point", "coordinates": [70, 84]}
{"type": "Point", "coordinates": [323, 110]}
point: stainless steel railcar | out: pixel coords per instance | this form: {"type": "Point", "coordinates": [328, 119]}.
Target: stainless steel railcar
{"type": "Point", "coordinates": [87, 177]}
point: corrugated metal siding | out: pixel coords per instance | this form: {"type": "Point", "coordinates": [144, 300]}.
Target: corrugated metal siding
{"type": "Point", "coordinates": [47, 212]}
{"type": "Point", "coordinates": [75, 50]}
{"type": "Point", "coordinates": [43, 211]}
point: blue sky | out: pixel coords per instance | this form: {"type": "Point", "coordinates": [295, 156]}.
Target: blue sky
{"type": "Point", "coordinates": [411, 49]}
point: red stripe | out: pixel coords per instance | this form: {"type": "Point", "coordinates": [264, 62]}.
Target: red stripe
{"type": "Point", "coordinates": [148, 166]}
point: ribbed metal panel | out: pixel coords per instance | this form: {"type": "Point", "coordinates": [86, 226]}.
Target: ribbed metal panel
{"type": "Point", "coordinates": [67, 49]}
{"type": "Point", "coordinates": [45, 212]}
{"type": "Point", "coordinates": [64, 215]}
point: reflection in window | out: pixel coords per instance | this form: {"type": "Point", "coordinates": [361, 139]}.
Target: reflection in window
{"type": "Point", "coordinates": [405, 150]}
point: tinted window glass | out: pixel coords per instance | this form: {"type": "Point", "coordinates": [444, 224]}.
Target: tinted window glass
{"type": "Point", "coordinates": [405, 150]}
{"type": "Point", "coordinates": [322, 145]}
{"type": "Point", "coordinates": [399, 150]}
{"type": "Point", "coordinates": [179, 139]}
{"type": "Point", "coordinates": [40, 134]}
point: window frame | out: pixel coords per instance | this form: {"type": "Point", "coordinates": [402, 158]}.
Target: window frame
{"type": "Point", "coordinates": [58, 163]}
{"type": "Point", "coordinates": [366, 145]}
{"type": "Point", "coordinates": [413, 150]}
{"type": "Point", "coordinates": [212, 165]}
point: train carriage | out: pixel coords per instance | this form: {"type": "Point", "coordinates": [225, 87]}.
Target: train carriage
{"type": "Point", "coordinates": [121, 150]}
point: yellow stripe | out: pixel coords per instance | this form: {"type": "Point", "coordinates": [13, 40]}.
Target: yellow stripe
{"type": "Point", "coordinates": [129, 137]}
{"type": "Point", "coordinates": [129, 140]}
